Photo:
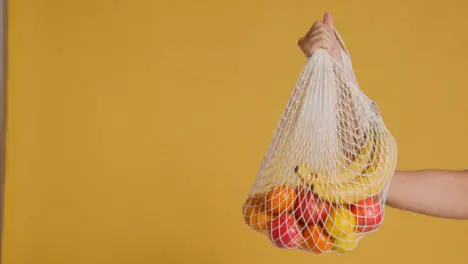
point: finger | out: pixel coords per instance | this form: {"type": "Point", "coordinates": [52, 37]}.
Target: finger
{"type": "Point", "coordinates": [319, 40]}
{"type": "Point", "coordinates": [323, 31]}
{"type": "Point", "coordinates": [310, 47]}
{"type": "Point", "coordinates": [316, 38]}
{"type": "Point", "coordinates": [317, 23]}
{"type": "Point", "coordinates": [314, 26]}
{"type": "Point", "coordinates": [324, 44]}
{"type": "Point", "coordinates": [328, 19]}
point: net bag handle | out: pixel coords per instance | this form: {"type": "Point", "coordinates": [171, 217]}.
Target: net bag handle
{"type": "Point", "coordinates": [341, 41]}
{"type": "Point", "coordinates": [347, 63]}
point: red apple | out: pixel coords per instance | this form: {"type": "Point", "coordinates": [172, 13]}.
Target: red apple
{"type": "Point", "coordinates": [285, 232]}
{"type": "Point", "coordinates": [310, 209]}
{"type": "Point", "coordinates": [369, 214]}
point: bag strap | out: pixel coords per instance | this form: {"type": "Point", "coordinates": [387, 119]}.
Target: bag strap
{"type": "Point", "coordinates": [341, 41]}
{"type": "Point", "coordinates": [347, 63]}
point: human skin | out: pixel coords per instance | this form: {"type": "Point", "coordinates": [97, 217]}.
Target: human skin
{"type": "Point", "coordinates": [432, 192]}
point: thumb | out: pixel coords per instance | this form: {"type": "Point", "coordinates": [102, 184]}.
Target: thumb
{"type": "Point", "coordinates": [328, 19]}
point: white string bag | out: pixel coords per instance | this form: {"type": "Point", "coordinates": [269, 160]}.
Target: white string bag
{"type": "Point", "coordinates": [324, 179]}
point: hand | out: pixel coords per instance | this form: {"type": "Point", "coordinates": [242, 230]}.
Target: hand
{"type": "Point", "coordinates": [321, 35]}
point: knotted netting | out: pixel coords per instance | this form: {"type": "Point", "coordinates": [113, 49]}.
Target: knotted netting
{"type": "Point", "coordinates": [323, 183]}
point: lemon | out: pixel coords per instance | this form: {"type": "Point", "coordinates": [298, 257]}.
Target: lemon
{"type": "Point", "coordinates": [340, 223]}
{"type": "Point", "coordinates": [347, 243]}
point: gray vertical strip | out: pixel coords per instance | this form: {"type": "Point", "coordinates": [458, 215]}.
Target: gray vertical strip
{"type": "Point", "coordinates": [3, 108]}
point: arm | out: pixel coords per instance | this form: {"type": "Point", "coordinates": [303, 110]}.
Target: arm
{"type": "Point", "coordinates": [438, 193]}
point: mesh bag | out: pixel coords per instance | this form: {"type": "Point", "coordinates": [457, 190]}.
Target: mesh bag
{"type": "Point", "coordinates": [324, 179]}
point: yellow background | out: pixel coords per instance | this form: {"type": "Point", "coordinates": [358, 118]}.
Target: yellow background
{"type": "Point", "coordinates": [136, 128]}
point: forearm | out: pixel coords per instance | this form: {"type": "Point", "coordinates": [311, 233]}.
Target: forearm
{"type": "Point", "coordinates": [438, 193]}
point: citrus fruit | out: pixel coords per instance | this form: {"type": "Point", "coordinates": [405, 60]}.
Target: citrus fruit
{"type": "Point", "coordinates": [316, 239]}
{"type": "Point", "coordinates": [340, 222]}
{"type": "Point", "coordinates": [346, 244]}
{"type": "Point", "coordinates": [280, 199]}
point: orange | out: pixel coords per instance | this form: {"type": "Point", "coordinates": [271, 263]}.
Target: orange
{"type": "Point", "coordinates": [254, 201]}
{"type": "Point", "coordinates": [254, 212]}
{"type": "Point", "coordinates": [248, 213]}
{"type": "Point", "coordinates": [260, 220]}
{"type": "Point", "coordinates": [281, 199]}
{"type": "Point", "coordinates": [316, 239]}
